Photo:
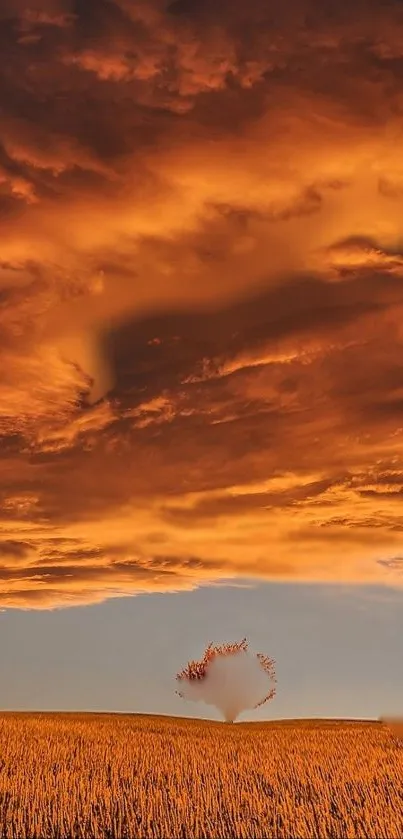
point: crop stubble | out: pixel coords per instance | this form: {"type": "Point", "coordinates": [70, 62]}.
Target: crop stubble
{"type": "Point", "coordinates": [93, 775]}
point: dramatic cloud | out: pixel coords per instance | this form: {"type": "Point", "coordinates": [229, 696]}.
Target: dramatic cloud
{"type": "Point", "coordinates": [201, 295]}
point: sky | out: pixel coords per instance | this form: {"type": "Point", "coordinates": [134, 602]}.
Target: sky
{"type": "Point", "coordinates": [201, 307]}
{"type": "Point", "coordinates": [337, 650]}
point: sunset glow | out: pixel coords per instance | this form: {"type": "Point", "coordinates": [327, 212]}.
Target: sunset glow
{"type": "Point", "coordinates": [201, 296]}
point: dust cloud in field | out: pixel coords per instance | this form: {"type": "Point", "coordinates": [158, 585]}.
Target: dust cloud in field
{"type": "Point", "coordinates": [395, 726]}
{"type": "Point", "coordinates": [229, 677]}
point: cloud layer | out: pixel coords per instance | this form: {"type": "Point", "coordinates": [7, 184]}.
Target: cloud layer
{"type": "Point", "coordinates": [201, 295]}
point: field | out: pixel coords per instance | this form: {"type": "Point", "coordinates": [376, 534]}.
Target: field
{"type": "Point", "coordinates": [95, 775]}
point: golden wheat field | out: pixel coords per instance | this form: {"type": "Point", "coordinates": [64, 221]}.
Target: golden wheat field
{"type": "Point", "coordinates": [95, 775]}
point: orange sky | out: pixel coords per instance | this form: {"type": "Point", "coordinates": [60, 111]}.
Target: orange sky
{"type": "Point", "coordinates": [201, 295]}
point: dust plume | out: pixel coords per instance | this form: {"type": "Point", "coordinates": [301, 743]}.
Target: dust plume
{"type": "Point", "coordinates": [395, 726]}
{"type": "Point", "coordinates": [230, 678]}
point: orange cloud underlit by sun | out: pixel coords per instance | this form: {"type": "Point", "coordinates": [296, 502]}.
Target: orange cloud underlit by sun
{"type": "Point", "coordinates": [201, 296]}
